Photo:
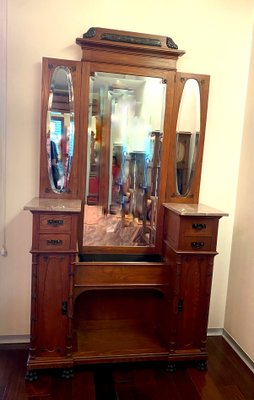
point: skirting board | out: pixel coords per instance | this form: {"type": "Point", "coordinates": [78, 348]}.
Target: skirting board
{"type": "Point", "coordinates": [20, 339]}
{"type": "Point", "coordinates": [15, 339]}
{"type": "Point", "coordinates": [232, 343]}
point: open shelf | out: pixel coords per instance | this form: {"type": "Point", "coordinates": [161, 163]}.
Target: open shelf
{"type": "Point", "coordinates": [120, 324]}
{"type": "Point", "coordinates": [123, 340]}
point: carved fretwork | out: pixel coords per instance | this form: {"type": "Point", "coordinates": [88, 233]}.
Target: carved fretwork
{"type": "Point", "coordinates": [90, 33]}
{"type": "Point", "coordinates": [171, 44]}
{"type": "Point", "coordinates": [131, 39]}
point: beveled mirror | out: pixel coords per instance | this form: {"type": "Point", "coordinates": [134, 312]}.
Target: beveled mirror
{"type": "Point", "coordinates": [187, 136]}
{"type": "Point", "coordinates": [126, 116]}
{"type": "Point", "coordinates": [60, 129]}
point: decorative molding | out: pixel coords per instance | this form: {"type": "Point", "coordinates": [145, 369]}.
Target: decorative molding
{"type": "Point", "coordinates": [113, 37]}
{"type": "Point", "coordinates": [90, 33]}
{"type": "Point", "coordinates": [171, 44]}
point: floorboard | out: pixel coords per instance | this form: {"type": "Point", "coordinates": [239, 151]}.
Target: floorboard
{"type": "Point", "coordinates": [227, 378]}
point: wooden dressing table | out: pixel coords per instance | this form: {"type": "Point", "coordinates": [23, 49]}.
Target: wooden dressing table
{"type": "Point", "coordinates": [122, 253]}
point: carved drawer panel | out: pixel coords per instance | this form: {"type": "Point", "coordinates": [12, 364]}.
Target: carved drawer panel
{"type": "Point", "coordinates": [198, 226]}
{"type": "Point", "coordinates": [190, 232]}
{"type": "Point", "coordinates": [55, 223]}
{"type": "Point", "coordinates": [196, 243]}
{"type": "Point", "coordinates": [53, 242]}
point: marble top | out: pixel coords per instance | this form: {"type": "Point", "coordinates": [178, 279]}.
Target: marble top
{"type": "Point", "coordinates": [194, 210]}
{"type": "Point", "coordinates": [56, 205]}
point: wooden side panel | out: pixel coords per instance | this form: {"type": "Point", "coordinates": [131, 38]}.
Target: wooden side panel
{"type": "Point", "coordinates": [50, 333]}
{"type": "Point", "coordinates": [193, 303]}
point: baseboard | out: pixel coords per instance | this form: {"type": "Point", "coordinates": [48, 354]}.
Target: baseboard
{"type": "Point", "coordinates": [241, 353]}
{"type": "Point", "coordinates": [215, 332]}
{"type": "Point", "coordinates": [16, 339]}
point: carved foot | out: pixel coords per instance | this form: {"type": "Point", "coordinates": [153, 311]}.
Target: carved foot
{"type": "Point", "coordinates": [202, 365]}
{"type": "Point", "coordinates": [171, 367]}
{"type": "Point", "coordinates": [31, 376]}
{"type": "Point", "coordinates": [67, 373]}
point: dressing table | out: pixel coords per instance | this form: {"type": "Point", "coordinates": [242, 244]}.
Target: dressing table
{"type": "Point", "coordinates": [122, 252]}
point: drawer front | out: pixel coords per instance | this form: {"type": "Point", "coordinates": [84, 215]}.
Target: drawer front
{"type": "Point", "coordinates": [198, 226]}
{"type": "Point", "coordinates": [196, 243]}
{"type": "Point", "coordinates": [120, 275]}
{"type": "Point", "coordinates": [55, 223]}
{"type": "Point", "coordinates": [54, 242]}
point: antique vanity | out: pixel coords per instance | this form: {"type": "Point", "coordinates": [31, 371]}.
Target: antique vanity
{"type": "Point", "coordinates": [122, 252]}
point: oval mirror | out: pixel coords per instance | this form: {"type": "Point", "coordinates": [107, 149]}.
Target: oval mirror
{"type": "Point", "coordinates": [60, 129]}
{"type": "Point", "coordinates": [187, 136]}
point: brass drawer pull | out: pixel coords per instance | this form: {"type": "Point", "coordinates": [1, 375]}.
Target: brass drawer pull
{"type": "Point", "coordinates": [55, 222]}
{"type": "Point", "coordinates": [199, 227]}
{"type": "Point", "coordinates": [54, 242]}
{"type": "Point", "coordinates": [197, 245]}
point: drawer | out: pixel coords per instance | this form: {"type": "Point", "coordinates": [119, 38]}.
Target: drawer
{"type": "Point", "coordinates": [196, 243]}
{"type": "Point", "coordinates": [199, 226]}
{"type": "Point", "coordinates": [55, 223]}
{"type": "Point", "coordinates": [54, 242]}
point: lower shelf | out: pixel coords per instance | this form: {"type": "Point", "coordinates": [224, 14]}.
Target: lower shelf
{"type": "Point", "coordinates": [109, 340]}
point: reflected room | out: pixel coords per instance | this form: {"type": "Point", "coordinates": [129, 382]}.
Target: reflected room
{"type": "Point", "coordinates": [125, 133]}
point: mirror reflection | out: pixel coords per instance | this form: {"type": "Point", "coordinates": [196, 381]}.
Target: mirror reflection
{"type": "Point", "coordinates": [60, 129]}
{"type": "Point", "coordinates": [126, 115]}
{"type": "Point", "coordinates": [187, 136]}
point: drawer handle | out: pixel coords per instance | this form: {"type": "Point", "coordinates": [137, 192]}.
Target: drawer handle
{"type": "Point", "coordinates": [199, 227]}
{"type": "Point", "coordinates": [54, 242]}
{"type": "Point", "coordinates": [197, 245]}
{"type": "Point", "coordinates": [55, 222]}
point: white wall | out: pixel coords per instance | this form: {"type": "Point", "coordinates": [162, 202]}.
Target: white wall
{"type": "Point", "coordinates": [239, 319]}
{"type": "Point", "coordinates": [217, 38]}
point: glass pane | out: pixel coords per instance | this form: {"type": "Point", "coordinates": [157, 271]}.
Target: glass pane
{"type": "Point", "coordinates": [60, 129]}
{"type": "Point", "coordinates": [126, 115]}
{"type": "Point", "coordinates": [187, 136]}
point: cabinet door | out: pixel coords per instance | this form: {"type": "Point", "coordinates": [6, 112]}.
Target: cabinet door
{"type": "Point", "coordinates": [193, 303]}
{"type": "Point", "coordinates": [49, 311]}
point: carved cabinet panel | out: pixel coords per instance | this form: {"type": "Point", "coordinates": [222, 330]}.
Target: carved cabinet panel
{"type": "Point", "coordinates": [51, 304]}
{"type": "Point", "coordinates": [193, 303]}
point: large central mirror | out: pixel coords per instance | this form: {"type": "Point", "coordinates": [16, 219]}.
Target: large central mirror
{"type": "Point", "coordinates": [125, 134]}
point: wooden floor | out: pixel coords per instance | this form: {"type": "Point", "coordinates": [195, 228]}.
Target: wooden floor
{"type": "Point", "coordinates": [227, 378]}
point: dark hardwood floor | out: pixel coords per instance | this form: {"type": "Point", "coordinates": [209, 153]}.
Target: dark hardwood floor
{"type": "Point", "coordinates": [227, 378]}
